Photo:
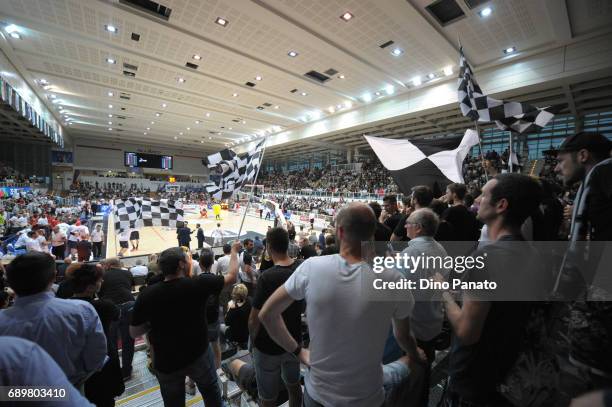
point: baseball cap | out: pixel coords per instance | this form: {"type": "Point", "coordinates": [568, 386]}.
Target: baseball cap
{"type": "Point", "coordinates": [583, 140]}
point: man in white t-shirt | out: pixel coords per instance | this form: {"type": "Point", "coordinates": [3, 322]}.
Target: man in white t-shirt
{"type": "Point", "coordinates": [139, 269]}
{"type": "Point", "coordinates": [21, 240]}
{"type": "Point", "coordinates": [348, 322]}
{"type": "Point", "coordinates": [97, 238]}
{"type": "Point", "coordinates": [32, 243]}
{"type": "Point", "coordinates": [73, 238]}
{"type": "Point", "coordinates": [217, 236]}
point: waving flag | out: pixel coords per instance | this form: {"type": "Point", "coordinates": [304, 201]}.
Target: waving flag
{"type": "Point", "coordinates": [512, 116]}
{"type": "Point", "coordinates": [434, 162]}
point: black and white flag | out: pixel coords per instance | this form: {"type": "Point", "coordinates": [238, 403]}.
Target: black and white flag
{"type": "Point", "coordinates": [512, 116]}
{"type": "Point", "coordinates": [161, 213]}
{"type": "Point", "coordinates": [234, 173]}
{"type": "Point", "coordinates": [435, 162]}
{"type": "Point", "coordinates": [214, 159]}
{"type": "Point", "coordinates": [127, 214]}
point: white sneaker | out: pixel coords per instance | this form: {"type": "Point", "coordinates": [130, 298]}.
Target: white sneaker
{"type": "Point", "coordinates": [190, 389]}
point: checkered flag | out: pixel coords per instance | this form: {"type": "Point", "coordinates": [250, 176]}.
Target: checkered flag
{"type": "Point", "coordinates": [127, 214]}
{"type": "Point", "coordinates": [161, 213]}
{"type": "Point", "coordinates": [214, 159]}
{"type": "Point", "coordinates": [235, 172]}
{"type": "Point", "coordinates": [512, 116]}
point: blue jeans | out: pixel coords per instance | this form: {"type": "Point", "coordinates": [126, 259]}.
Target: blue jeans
{"type": "Point", "coordinates": [127, 342]}
{"type": "Point", "coordinates": [202, 372]}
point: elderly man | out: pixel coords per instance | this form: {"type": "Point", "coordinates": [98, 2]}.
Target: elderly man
{"type": "Point", "coordinates": [428, 315]}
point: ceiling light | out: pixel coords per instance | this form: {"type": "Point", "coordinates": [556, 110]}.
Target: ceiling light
{"type": "Point", "coordinates": [196, 57]}
{"type": "Point", "coordinates": [12, 28]}
{"type": "Point", "coordinates": [164, 105]}
{"type": "Point", "coordinates": [111, 61]}
{"type": "Point", "coordinates": [348, 104]}
{"type": "Point", "coordinates": [176, 138]}
{"type": "Point", "coordinates": [145, 133]}
{"type": "Point", "coordinates": [43, 82]}
{"type": "Point", "coordinates": [15, 35]}
{"type": "Point", "coordinates": [366, 97]}
{"type": "Point", "coordinates": [180, 80]}
{"type": "Point", "coordinates": [316, 115]}
{"type": "Point", "coordinates": [485, 12]}
{"type": "Point", "coordinates": [243, 122]}
{"type": "Point", "coordinates": [221, 21]}
{"type": "Point", "coordinates": [70, 124]}
{"type": "Point", "coordinates": [396, 52]}
{"type": "Point", "coordinates": [157, 114]}
{"type": "Point", "coordinates": [377, 93]}
{"type": "Point", "coordinates": [152, 122]}
{"type": "Point", "coordinates": [197, 122]}
{"type": "Point", "coordinates": [338, 107]}
{"type": "Point", "coordinates": [258, 78]}
{"type": "Point", "coordinates": [52, 96]}
{"type": "Point", "coordinates": [111, 94]}
{"type": "Point", "coordinates": [148, 128]}
{"type": "Point", "coordinates": [188, 128]}
{"type": "Point", "coordinates": [110, 122]}
{"type": "Point", "coordinates": [110, 106]}
{"type": "Point", "coordinates": [509, 50]}
{"type": "Point", "coordinates": [110, 115]}
{"type": "Point", "coordinates": [346, 16]}
{"type": "Point", "coordinates": [235, 95]}
{"type": "Point", "coordinates": [431, 75]}
{"type": "Point", "coordinates": [331, 109]}
{"type": "Point", "coordinates": [304, 94]}
{"type": "Point", "coordinates": [292, 54]}
{"type": "Point", "coordinates": [341, 76]}
{"type": "Point", "coordinates": [390, 89]}
{"type": "Point", "coordinates": [230, 128]}
{"type": "Point", "coordinates": [416, 80]}
{"type": "Point", "coordinates": [209, 137]}
{"type": "Point", "coordinates": [207, 114]}
{"type": "Point", "coordinates": [110, 129]}
{"type": "Point", "coordinates": [111, 28]}
{"type": "Point", "coordinates": [277, 107]}
{"type": "Point", "coordinates": [448, 70]}
{"type": "Point", "coordinates": [180, 133]}
{"type": "Point", "coordinates": [202, 141]}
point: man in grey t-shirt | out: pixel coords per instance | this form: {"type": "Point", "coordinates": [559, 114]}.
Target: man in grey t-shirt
{"type": "Point", "coordinates": [343, 321]}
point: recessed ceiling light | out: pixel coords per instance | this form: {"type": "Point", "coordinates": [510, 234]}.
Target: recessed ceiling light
{"type": "Point", "coordinates": [176, 138]}
{"type": "Point", "coordinates": [15, 35]}
{"type": "Point", "coordinates": [341, 76]}
{"type": "Point", "coordinates": [229, 128]}
{"type": "Point", "coordinates": [157, 114]}
{"type": "Point", "coordinates": [196, 57]}
{"type": "Point", "coordinates": [145, 133]}
{"type": "Point", "coordinates": [243, 122]}
{"type": "Point", "coordinates": [111, 28]}
{"type": "Point", "coordinates": [210, 138]}
{"type": "Point", "coordinates": [485, 12]}
{"type": "Point", "coordinates": [292, 54]}
{"type": "Point", "coordinates": [110, 115]}
{"type": "Point", "coordinates": [390, 89]}
{"type": "Point", "coordinates": [110, 106]}
{"type": "Point", "coordinates": [43, 82]}
{"type": "Point", "coordinates": [70, 124]}
{"type": "Point", "coordinates": [197, 122]}
{"type": "Point", "coordinates": [235, 95]}
{"type": "Point", "coordinates": [348, 104]}
{"type": "Point", "coordinates": [110, 122]}
{"type": "Point", "coordinates": [366, 97]}
{"type": "Point", "coordinates": [110, 129]}
{"type": "Point", "coordinates": [304, 94]}
{"type": "Point", "coordinates": [148, 128]}
{"type": "Point", "coordinates": [164, 105]}
{"type": "Point", "coordinates": [180, 80]}
{"type": "Point", "coordinates": [431, 75]}
{"type": "Point", "coordinates": [346, 16]}
{"type": "Point", "coordinates": [416, 81]}
{"type": "Point", "coordinates": [202, 141]}
{"type": "Point", "coordinates": [207, 114]}
{"type": "Point", "coordinates": [188, 128]}
{"type": "Point", "coordinates": [111, 94]}
{"type": "Point", "coordinates": [331, 109]}
{"type": "Point", "coordinates": [396, 52]}
{"type": "Point", "coordinates": [180, 133]}
{"type": "Point", "coordinates": [258, 78]}
{"type": "Point", "coordinates": [12, 28]}
{"type": "Point", "coordinates": [111, 61]}
{"type": "Point", "coordinates": [377, 93]}
{"type": "Point", "coordinates": [509, 50]}
{"type": "Point", "coordinates": [222, 21]}
{"type": "Point", "coordinates": [448, 70]}
{"type": "Point", "coordinates": [277, 107]}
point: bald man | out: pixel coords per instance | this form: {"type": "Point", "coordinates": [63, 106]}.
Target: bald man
{"type": "Point", "coordinates": [347, 330]}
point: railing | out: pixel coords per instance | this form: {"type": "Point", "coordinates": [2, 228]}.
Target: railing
{"type": "Point", "coordinates": [332, 196]}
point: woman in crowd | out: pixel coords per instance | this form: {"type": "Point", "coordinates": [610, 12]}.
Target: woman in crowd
{"type": "Point", "coordinates": [236, 327]}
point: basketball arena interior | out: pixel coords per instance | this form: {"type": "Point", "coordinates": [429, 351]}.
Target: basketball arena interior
{"type": "Point", "coordinates": [234, 203]}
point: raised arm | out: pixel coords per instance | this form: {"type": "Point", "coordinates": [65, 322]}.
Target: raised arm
{"type": "Point", "coordinates": [230, 277]}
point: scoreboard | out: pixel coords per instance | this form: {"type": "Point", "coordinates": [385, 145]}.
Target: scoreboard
{"type": "Point", "coordinates": [142, 160]}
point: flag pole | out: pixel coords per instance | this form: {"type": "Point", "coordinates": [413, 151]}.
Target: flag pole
{"type": "Point", "coordinates": [482, 160]}
{"type": "Point", "coordinates": [263, 151]}
{"type": "Point", "coordinates": [510, 153]}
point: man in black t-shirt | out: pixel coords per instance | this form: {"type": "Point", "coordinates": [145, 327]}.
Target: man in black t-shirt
{"type": "Point", "coordinates": [463, 222]}
{"type": "Point", "coordinates": [487, 334]}
{"type": "Point", "coordinates": [173, 313]}
{"type": "Point", "coordinates": [271, 361]}
{"type": "Point", "coordinates": [391, 215]}
{"type": "Point", "coordinates": [117, 287]}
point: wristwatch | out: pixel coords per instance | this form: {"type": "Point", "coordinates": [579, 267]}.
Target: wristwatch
{"type": "Point", "coordinates": [297, 350]}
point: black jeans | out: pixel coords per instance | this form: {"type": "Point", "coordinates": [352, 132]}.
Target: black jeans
{"type": "Point", "coordinates": [97, 250]}
{"type": "Point", "coordinates": [122, 329]}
